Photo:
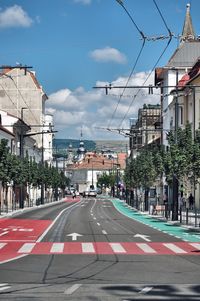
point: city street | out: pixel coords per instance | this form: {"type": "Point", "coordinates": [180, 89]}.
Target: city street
{"type": "Point", "coordinates": [95, 249]}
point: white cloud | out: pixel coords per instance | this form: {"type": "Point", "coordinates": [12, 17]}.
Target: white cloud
{"type": "Point", "coordinates": [85, 2]}
{"type": "Point", "coordinates": [93, 110]}
{"type": "Point", "coordinates": [108, 54]}
{"type": "Point", "coordinates": [14, 16]}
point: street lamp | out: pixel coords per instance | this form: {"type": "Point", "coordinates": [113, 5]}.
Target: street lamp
{"type": "Point", "coordinates": [118, 181]}
{"type": "Point", "coordinates": [21, 151]}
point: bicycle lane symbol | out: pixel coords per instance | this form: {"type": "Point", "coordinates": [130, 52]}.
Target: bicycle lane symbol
{"type": "Point", "coordinates": [22, 230]}
{"type": "Point", "coordinates": [13, 229]}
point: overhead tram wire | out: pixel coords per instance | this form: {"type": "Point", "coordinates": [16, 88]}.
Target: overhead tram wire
{"type": "Point", "coordinates": [164, 50]}
{"type": "Point", "coordinates": [120, 97]}
{"type": "Point", "coordinates": [139, 54]}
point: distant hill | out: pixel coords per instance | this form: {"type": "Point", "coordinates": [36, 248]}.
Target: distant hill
{"type": "Point", "coordinates": [61, 145]}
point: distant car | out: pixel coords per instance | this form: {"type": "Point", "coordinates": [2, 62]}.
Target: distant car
{"type": "Point", "coordinates": [85, 194]}
{"type": "Point", "coordinates": [99, 191]}
{"type": "Point", "coordinates": [92, 193]}
{"type": "Point", "coordinates": [67, 192]}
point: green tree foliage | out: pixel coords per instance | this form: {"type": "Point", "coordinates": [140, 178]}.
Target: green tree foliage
{"type": "Point", "coordinates": [26, 171]}
{"type": "Point", "coordinates": [108, 180]}
{"type": "Point", "coordinates": [180, 158]}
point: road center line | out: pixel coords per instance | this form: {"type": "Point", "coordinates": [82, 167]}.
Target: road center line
{"type": "Point", "coordinates": [104, 232]}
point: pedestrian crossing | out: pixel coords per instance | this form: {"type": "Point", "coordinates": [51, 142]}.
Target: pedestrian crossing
{"type": "Point", "coordinates": [106, 248]}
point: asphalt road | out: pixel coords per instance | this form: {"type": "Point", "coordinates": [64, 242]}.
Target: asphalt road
{"type": "Point", "coordinates": [88, 250]}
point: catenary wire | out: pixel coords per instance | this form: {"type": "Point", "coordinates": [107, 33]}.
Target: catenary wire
{"type": "Point", "coordinates": [126, 84]}
{"type": "Point", "coordinates": [164, 50]}
{"type": "Point", "coordinates": [136, 61]}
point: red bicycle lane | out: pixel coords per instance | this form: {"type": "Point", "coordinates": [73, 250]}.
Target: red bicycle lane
{"type": "Point", "coordinates": [14, 232]}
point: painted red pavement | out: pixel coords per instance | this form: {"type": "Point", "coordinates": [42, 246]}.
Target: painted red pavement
{"type": "Point", "coordinates": [22, 229]}
{"type": "Point", "coordinates": [12, 250]}
{"type": "Point", "coordinates": [71, 200]}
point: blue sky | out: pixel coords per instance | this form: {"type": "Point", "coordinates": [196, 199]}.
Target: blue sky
{"type": "Point", "coordinates": [74, 45]}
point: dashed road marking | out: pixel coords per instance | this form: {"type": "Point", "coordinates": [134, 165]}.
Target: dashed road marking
{"type": "Point", "coordinates": [174, 248]}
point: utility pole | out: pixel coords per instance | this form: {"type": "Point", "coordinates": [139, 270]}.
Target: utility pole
{"type": "Point", "coordinates": [42, 163]}
{"type": "Point", "coordinates": [21, 153]}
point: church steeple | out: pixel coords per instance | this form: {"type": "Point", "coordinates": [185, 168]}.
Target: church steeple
{"type": "Point", "coordinates": [188, 33]}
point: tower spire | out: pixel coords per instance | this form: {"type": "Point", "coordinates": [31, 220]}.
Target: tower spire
{"type": "Point", "coordinates": [188, 33]}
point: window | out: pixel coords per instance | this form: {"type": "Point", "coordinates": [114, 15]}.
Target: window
{"type": "Point", "coordinates": [181, 115]}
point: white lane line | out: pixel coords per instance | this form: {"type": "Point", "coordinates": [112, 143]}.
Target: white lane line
{"type": "Point", "coordinates": [87, 247]}
{"type": "Point", "coordinates": [104, 232]}
{"type": "Point", "coordinates": [54, 221]}
{"type": "Point", "coordinates": [2, 244]}
{"type": "Point", "coordinates": [117, 248]}
{"type": "Point", "coordinates": [94, 218]}
{"type": "Point", "coordinates": [27, 248]}
{"type": "Point", "coordinates": [146, 248]}
{"type": "Point", "coordinates": [57, 247]}
{"type": "Point", "coordinates": [98, 224]}
{"type": "Point", "coordinates": [195, 245]}
{"type": "Point", "coordinates": [72, 289]}
{"type": "Point", "coordinates": [174, 248]}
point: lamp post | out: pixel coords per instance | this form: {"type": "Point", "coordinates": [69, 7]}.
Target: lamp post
{"type": "Point", "coordinates": [118, 181]}
{"type": "Point", "coordinates": [42, 163]}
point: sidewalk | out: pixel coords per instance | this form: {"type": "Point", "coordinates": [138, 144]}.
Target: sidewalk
{"type": "Point", "coordinates": [174, 228]}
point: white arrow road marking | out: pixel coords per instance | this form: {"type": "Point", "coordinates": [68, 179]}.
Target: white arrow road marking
{"type": "Point", "coordinates": [145, 237]}
{"type": "Point", "coordinates": [74, 235]}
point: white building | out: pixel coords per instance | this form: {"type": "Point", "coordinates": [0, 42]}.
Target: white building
{"type": "Point", "coordinates": [22, 96]}
{"type": "Point", "coordinates": [179, 64]}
